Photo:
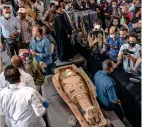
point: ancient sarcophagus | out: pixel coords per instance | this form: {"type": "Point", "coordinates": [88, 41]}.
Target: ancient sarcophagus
{"type": "Point", "coordinates": [82, 22]}
{"type": "Point", "coordinates": [77, 90]}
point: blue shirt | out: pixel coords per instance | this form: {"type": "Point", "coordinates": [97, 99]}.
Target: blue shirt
{"type": "Point", "coordinates": [43, 47]}
{"type": "Point", "coordinates": [9, 26]}
{"type": "Point", "coordinates": [122, 41]}
{"type": "Point", "coordinates": [110, 51]}
{"type": "Point", "coordinates": [105, 87]}
{"type": "Point", "coordinates": [130, 27]}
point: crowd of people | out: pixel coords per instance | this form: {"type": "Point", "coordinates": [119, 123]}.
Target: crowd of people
{"type": "Point", "coordinates": [35, 37]}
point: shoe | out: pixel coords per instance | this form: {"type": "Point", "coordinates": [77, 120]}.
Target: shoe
{"type": "Point", "coordinates": [135, 78]}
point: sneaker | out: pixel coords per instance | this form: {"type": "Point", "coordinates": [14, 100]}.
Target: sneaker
{"type": "Point", "coordinates": [135, 78]}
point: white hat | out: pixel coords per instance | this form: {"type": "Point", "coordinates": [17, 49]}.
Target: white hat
{"type": "Point", "coordinates": [22, 10]}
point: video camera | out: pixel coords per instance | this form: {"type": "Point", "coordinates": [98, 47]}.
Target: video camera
{"type": "Point", "coordinates": [127, 52]}
{"type": "Point", "coordinates": [95, 34]}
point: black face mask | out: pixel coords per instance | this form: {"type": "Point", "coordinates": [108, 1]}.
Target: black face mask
{"type": "Point", "coordinates": [132, 44]}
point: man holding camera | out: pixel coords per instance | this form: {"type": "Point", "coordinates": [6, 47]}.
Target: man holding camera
{"type": "Point", "coordinates": [129, 53]}
{"type": "Point", "coordinates": [96, 37]}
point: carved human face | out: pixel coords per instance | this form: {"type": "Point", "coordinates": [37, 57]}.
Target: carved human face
{"type": "Point", "coordinates": [68, 73]}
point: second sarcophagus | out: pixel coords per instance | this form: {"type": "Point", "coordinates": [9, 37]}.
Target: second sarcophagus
{"type": "Point", "coordinates": [82, 22]}
{"type": "Point", "coordinates": [78, 92]}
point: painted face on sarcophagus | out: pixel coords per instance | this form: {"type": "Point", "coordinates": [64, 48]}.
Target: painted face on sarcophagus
{"type": "Point", "coordinates": [76, 90]}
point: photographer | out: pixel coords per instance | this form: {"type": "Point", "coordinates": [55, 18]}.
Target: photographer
{"type": "Point", "coordinates": [96, 38]}
{"type": "Point", "coordinates": [129, 53]}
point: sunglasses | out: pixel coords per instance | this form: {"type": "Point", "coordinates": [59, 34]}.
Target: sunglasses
{"type": "Point", "coordinates": [6, 7]}
{"type": "Point", "coordinates": [7, 12]}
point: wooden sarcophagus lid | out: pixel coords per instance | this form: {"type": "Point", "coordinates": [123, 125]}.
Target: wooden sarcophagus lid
{"type": "Point", "coordinates": [77, 90]}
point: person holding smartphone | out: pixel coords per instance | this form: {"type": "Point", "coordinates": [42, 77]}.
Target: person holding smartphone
{"type": "Point", "coordinates": [129, 53]}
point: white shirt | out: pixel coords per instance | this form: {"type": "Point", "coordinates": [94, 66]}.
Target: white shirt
{"type": "Point", "coordinates": [127, 63]}
{"type": "Point", "coordinates": [23, 106]}
{"type": "Point", "coordinates": [9, 26]}
{"type": "Point", "coordinates": [26, 78]}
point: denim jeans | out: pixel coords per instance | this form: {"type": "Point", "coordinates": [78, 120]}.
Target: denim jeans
{"type": "Point", "coordinates": [49, 69]}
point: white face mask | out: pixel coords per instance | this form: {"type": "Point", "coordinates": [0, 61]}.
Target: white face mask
{"type": "Point", "coordinates": [123, 10]}
{"type": "Point", "coordinates": [6, 16]}
{"type": "Point", "coordinates": [112, 35]}
{"type": "Point", "coordinates": [97, 26]}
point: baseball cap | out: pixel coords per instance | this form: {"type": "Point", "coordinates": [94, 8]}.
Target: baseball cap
{"type": "Point", "coordinates": [22, 10]}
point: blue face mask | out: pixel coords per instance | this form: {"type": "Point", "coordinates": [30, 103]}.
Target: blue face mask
{"type": "Point", "coordinates": [123, 38]}
{"type": "Point", "coordinates": [113, 6]}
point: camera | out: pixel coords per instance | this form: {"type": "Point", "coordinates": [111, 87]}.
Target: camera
{"type": "Point", "coordinates": [127, 51]}
{"type": "Point", "coordinates": [96, 34]}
